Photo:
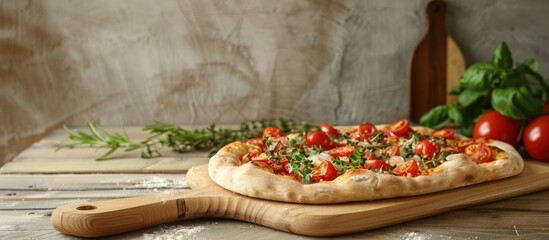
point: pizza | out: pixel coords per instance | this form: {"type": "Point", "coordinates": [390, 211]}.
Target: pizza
{"type": "Point", "coordinates": [365, 162]}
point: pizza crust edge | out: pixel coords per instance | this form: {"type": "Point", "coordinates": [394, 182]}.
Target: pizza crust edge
{"type": "Point", "coordinates": [356, 184]}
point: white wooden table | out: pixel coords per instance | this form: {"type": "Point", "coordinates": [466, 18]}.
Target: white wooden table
{"type": "Point", "coordinates": [40, 179]}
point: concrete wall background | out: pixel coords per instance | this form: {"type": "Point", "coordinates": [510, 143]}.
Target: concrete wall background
{"type": "Point", "coordinates": [129, 62]}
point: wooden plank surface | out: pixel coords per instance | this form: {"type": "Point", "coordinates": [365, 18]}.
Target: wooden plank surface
{"type": "Point", "coordinates": [83, 165]}
{"type": "Point", "coordinates": [129, 165]}
{"type": "Point", "coordinates": [523, 217]}
{"type": "Point", "coordinates": [207, 200]}
{"type": "Point", "coordinates": [27, 200]}
{"type": "Point", "coordinates": [71, 182]}
{"type": "Point", "coordinates": [14, 196]}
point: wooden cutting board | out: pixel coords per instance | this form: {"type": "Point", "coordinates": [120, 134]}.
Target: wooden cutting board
{"type": "Point", "coordinates": [436, 65]}
{"type": "Point", "coordinates": [208, 200]}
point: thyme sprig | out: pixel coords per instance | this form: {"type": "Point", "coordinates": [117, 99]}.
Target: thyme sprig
{"type": "Point", "coordinates": [300, 164]}
{"type": "Point", "coordinates": [162, 135]}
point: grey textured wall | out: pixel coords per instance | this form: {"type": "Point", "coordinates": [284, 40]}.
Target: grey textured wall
{"type": "Point", "coordinates": [128, 62]}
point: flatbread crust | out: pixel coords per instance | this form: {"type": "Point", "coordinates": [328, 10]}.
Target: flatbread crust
{"type": "Point", "coordinates": [357, 184]}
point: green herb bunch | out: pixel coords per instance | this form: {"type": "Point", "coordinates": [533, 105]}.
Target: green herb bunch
{"type": "Point", "coordinates": [181, 140]}
{"type": "Point", "coordinates": [514, 90]}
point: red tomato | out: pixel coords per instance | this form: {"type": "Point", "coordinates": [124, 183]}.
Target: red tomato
{"type": "Point", "coordinates": [479, 153]}
{"type": "Point", "coordinates": [465, 143]}
{"type": "Point", "coordinates": [325, 171]}
{"type": "Point", "coordinates": [400, 128]}
{"type": "Point", "coordinates": [496, 126]}
{"type": "Point", "coordinates": [281, 168]}
{"type": "Point", "coordinates": [259, 157]}
{"type": "Point", "coordinates": [376, 164]}
{"type": "Point", "coordinates": [369, 155]}
{"type": "Point", "coordinates": [343, 151]}
{"type": "Point", "coordinates": [366, 130]}
{"type": "Point", "coordinates": [328, 129]}
{"type": "Point", "coordinates": [393, 150]}
{"type": "Point", "coordinates": [446, 133]}
{"type": "Point", "coordinates": [273, 132]}
{"type": "Point", "coordinates": [318, 138]}
{"type": "Point", "coordinates": [426, 148]}
{"type": "Point", "coordinates": [536, 138]}
{"type": "Point", "coordinates": [409, 167]}
{"type": "Point", "coordinates": [258, 142]}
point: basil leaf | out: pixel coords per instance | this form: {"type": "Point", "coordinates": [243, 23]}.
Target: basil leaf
{"type": "Point", "coordinates": [523, 69]}
{"type": "Point", "coordinates": [479, 76]}
{"type": "Point", "coordinates": [457, 90]}
{"type": "Point", "coordinates": [542, 82]}
{"type": "Point", "coordinates": [503, 57]}
{"type": "Point", "coordinates": [436, 118]}
{"type": "Point", "coordinates": [455, 114]}
{"type": "Point", "coordinates": [468, 97]}
{"type": "Point", "coordinates": [467, 128]}
{"type": "Point", "coordinates": [531, 63]}
{"type": "Point", "coordinates": [517, 102]}
{"type": "Point", "coordinates": [538, 92]}
{"type": "Point", "coordinates": [508, 80]}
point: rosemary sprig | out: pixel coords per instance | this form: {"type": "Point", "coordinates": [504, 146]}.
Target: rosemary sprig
{"type": "Point", "coordinates": [181, 140]}
{"type": "Point", "coordinates": [99, 138]}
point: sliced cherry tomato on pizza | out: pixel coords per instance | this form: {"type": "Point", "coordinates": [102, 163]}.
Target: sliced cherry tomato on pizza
{"type": "Point", "coordinates": [259, 157]}
{"type": "Point", "coordinates": [479, 153]}
{"type": "Point", "coordinates": [343, 151]}
{"type": "Point", "coordinates": [330, 130]}
{"type": "Point", "coordinates": [370, 155]}
{"type": "Point", "coordinates": [318, 138]}
{"type": "Point", "coordinates": [281, 168]}
{"type": "Point", "coordinates": [408, 168]}
{"type": "Point", "coordinates": [366, 130]}
{"type": "Point", "coordinates": [262, 165]}
{"type": "Point", "coordinates": [283, 171]}
{"type": "Point", "coordinates": [336, 145]}
{"type": "Point", "coordinates": [461, 145]}
{"type": "Point", "coordinates": [261, 160]}
{"type": "Point", "coordinates": [393, 150]}
{"type": "Point", "coordinates": [446, 133]}
{"type": "Point", "coordinates": [376, 164]}
{"type": "Point", "coordinates": [273, 132]}
{"type": "Point", "coordinates": [325, 171]}
{"type": "Point", "coordinates": [400, 128]}
{"type": "Point", "coordinates": [426, 148]}
{"type": "Point", "coordinates": [257, 142]}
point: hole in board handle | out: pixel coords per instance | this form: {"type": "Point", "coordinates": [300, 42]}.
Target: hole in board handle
{"type": "Point", "coordinates": [86, 207]}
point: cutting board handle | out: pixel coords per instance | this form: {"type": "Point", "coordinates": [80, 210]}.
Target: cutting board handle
{"type": "Point", "coordinates": [109, 217]}
{"type": "Point", "coordinates": [427, 76]}
{"type": "Point", "coordinates": [435, 11]}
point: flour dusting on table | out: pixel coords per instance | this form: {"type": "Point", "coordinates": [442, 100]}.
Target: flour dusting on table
{"type": "Point", "coordinates": [175, 233]}
{"type": "Point", "coordinates": [423, 236]}
{"type": "Point", "coordinates": [158, 182]}
{"type": "Point", "coordinates": [152, 182]}
{"type": "Point", "coordinates": [413, 236]}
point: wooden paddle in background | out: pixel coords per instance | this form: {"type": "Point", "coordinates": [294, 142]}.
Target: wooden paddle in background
{"type": "Point", "coordinates": [208, 200]}
{"type": "Point", "coordinates": [436, 65]}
